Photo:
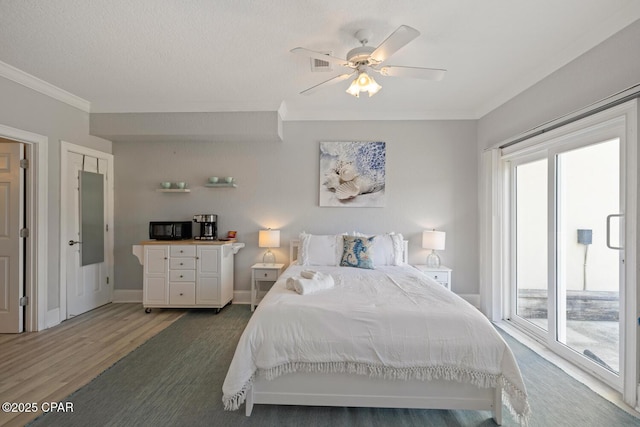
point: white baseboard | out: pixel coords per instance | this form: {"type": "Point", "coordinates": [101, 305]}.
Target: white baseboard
{"type": "Point", "coordinates": [473, 299]}
{"type": "Point", "coordinates": [242, 297]}
{"type": "Point", "coordinates": [52, 318]}
{"type": "Point", "coordinates": [127, 295]}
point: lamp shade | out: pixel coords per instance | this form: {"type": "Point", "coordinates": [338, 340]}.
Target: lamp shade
{"type": "Point", "coordinates": [432, 239]}
{"type": "Point", "coordinates": [269, 238]}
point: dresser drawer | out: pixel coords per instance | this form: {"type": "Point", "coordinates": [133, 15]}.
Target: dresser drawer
{"type": "Point", "coordinates": [182, 276]}
{"type": "Point", "coordinates": [182, 264]}
{"type": "Point", "coordinates": [266, 274]}
{"type": "Point", "coordinates": [182, 250]}
{"type": "Point", "coordinates": [182, 293]}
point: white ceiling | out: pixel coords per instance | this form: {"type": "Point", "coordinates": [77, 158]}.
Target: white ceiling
{"type": "Point", "coordinates": [233, 55]}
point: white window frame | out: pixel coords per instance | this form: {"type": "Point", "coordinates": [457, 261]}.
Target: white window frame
{"type": "Point", "coordinates": [554, 141]}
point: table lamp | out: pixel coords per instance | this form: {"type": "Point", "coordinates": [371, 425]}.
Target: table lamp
{"type": "Point", "coordinates": [269, 239]}
{"type": "Point", "coordinates": [434, 240]}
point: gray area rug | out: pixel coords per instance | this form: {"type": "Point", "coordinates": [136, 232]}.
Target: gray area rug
{"type": "Point", "coordinates": [175, 379]}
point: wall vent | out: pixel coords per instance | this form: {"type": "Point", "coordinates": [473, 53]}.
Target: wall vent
{"type": "Point", "coordinates": [318, 65]}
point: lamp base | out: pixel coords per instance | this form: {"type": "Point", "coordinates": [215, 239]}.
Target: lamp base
{"type": "Point", "coordinates": [269, 257]}
{"type": "Point", "coordinates": [433, 260]}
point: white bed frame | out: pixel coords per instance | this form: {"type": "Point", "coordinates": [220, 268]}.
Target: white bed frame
{"type": "Point", "coordinates": [351, 390]}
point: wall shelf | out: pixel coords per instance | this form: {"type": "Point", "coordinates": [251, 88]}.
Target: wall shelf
{"type": "Point", "coordinates": [221, 184]}
{"type": "Point", "coordinates": [173, 190]}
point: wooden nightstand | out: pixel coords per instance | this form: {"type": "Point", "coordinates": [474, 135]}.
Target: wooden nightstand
{"type": "Point", "coordinates": [262, 273]}
{"type": "Point", "coordinates": [440, 274]}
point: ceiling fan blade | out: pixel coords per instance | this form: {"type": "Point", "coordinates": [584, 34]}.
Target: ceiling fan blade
{"type": "Point", "coordinates": [413, 72]}
{"type": "Point", "coordinates": [319, 55]}
{"type": "Point", "coordinates": [400, 37]}
{"type": "Point", "coordinates": [331, 81]}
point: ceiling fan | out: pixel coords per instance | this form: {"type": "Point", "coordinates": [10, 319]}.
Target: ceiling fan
{"type": "Point", "coordinates": [365, 59]}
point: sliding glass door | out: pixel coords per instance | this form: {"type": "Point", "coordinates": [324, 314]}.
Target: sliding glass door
{"type": "Point", "coordinates": [531, 243]}
{"type": "Point", "coordinates": [567, 247]}
{"type": "Point", "coordinates": [589, 252]}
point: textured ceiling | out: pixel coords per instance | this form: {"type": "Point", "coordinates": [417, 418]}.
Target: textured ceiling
{"type": "Point", "coordinates": [233, 55]}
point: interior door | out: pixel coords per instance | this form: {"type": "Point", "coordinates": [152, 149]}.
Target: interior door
{"type": "Point", "coordinates": [87, 284]}
{"type": "Point", "coordinates": [11, 244]}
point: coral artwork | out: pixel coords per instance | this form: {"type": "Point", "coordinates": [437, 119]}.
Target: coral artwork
{"type": "Point", "coordinates": [352, 174]}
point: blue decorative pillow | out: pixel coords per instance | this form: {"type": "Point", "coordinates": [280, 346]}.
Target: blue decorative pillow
{"type": "Point", "coordinates": [357, 252]}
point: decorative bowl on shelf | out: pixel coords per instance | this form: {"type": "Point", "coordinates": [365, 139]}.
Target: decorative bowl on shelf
{"type": "Point", "coordinates": [181, 184]}
{"type": "Point", "coordinates": [228, 179]}
{"type": "Point", "coordinates": [165, 184]}
{"type": "Point", "coordinates": [213, 179]}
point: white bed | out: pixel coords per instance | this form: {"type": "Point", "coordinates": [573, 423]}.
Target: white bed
{"type": "Point", "coordinates": [387, 337]}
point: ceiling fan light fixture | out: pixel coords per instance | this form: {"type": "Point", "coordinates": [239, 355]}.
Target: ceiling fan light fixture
{"type": "Point", "coordinates": [363, 83]}
{"type": "Point", "coordinates": [366, 58]}
{"type": "Point", "coordinates": [354, 89]}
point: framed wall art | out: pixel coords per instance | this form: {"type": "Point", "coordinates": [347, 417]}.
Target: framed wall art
{"type": "Point", "coordinates": [352, 174]}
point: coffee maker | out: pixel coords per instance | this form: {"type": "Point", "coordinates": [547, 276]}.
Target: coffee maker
{"type": "Point", "coordinates": [208, 226]}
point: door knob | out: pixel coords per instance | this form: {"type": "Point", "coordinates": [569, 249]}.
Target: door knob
{"type": "Point", "coordinates": [73, 242]}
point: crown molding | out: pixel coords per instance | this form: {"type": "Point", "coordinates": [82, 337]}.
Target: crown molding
{"type": "Point", "coordinates": [12, 73]}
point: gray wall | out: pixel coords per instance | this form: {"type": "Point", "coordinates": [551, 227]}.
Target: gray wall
{"type": "Point", "coordinates": [610, 67]}
{"type": "Point", "coordinates": [28, 110]}
{"type": "Point", "coordinates": [431, 182]}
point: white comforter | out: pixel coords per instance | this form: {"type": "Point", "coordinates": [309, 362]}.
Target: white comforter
{"type": "Point", "coordinates": [392, 322]}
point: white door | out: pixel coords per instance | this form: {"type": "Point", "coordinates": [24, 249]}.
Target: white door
{"type": "Point", "coordinates": [87, 286]}
{"type": "Point", "coordinates": [11, 244]}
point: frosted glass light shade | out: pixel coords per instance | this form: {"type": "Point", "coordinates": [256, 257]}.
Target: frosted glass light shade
{"type": "Point", "coordinates": [363, 83]}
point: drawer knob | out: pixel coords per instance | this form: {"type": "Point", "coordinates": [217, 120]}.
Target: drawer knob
{"type": "Point", "coordinates": [181, 294]}
{"type": "Point", "coordinates": [265, 274]}
{"type": "Point", "coordinates": [181, 276]}
{"type": "Point", "coordinates": [181, 264]}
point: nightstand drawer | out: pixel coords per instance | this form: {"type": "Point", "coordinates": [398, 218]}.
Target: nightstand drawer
{"type": "Point", "coordinates": [441, 274]}
{"type": "Point", "coordinates": [438, 276]}
{"type": "Point", "coordinates": [182, 263]}
{"type": "Point", "coordinates": [182, 276]}
{"type": "Point", "coordinates": [266, 274]}
{"type": "Point", "coordinates": [182, 293]}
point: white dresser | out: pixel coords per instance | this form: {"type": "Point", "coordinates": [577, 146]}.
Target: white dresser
{"type": "Point", "coordinates": [187, 273]}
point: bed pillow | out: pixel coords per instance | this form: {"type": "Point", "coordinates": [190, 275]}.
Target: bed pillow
{"type": "Point", "coordinates": [357, 252]}
{"type": "Point", "coordinates": [388, 248]}
{"type": "Point", "coordinates": [319, 249]}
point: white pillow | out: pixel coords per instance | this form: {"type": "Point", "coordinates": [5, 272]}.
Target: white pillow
{"type": "Point", "coordinates": [387, 248]}
{"type": "Point", "coordinates": [320, 249]}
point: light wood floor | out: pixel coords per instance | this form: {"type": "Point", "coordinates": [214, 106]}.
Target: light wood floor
{"type": "Point", "coordinates": [49, 365]}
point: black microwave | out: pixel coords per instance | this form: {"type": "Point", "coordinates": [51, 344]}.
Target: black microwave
{"type": "Point", "coordinates": [170, 230]}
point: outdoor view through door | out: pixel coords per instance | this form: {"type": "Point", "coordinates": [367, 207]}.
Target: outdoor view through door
{"type": "Point", "coordinates": [567, 227]}
{"type": "Point", "coordinates": [588, 285]}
